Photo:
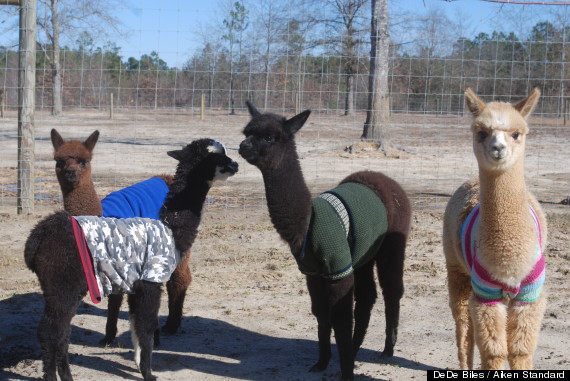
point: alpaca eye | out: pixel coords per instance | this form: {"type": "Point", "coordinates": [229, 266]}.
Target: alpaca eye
{"type": "Point", "coordinates": [482, 135]}
{"type": "Point", "coordinates": [59, 163]}
{"type": "Point", "coordinates": [269, 139]}
{"type": "Point", "coordinates": [83, 163]}
{"type": "Point", "coordinates": [516, 135]}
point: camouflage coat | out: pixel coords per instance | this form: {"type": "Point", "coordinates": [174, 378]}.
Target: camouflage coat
{"type": "Point", "coordinates": [127, 250]}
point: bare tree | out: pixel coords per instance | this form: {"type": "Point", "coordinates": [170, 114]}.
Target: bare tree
{"type": "Point", "coordinates": [69, 17]}
{"type": "Point", "coordinates": [342, 20]}
{"type": "Point", "coordinates": [235, 25]}
{"type": "Point", "coordinates": [269, 31]}
{"type": "Point", "coordinates": [377, 122]}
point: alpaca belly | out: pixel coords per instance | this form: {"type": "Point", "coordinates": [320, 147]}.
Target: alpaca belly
{"type": "Point", "coordinates": [127, 250]}
{"type": "Point", "coordinates": [347, 227]}
{"type": "Point", "coordinates": [143, 199]}
{"type": "Point", "coordinates": [488, 289]}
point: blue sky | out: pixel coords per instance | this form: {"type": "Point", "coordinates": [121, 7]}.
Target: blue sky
{"type": "Point", "coordinates": [172, 28]}
{"type": "Point", "coordinates": [175, 28]}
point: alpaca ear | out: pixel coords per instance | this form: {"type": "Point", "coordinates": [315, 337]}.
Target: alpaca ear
{"type": "Point", "coordinates": [295, 123]}
{"type": "Point", "coordinates": [474, 103]}
{"type": "Point", "coordinates": [56, 139]}
{"type": "Point", "coordinates": [527, 105]}
{"type": "Point", "coordinates": [252, 110]}
{"type": "Point", "coordinates": [178, 154]}
{"type": "Point", "coordinates": [90, 142]}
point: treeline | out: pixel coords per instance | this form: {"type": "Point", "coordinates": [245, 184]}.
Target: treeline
{"type": "Point", "coordinates": [499, 65]}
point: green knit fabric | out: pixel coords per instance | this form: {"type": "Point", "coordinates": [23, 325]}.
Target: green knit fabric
{"type": "Point", "coordinates": [343, 239]}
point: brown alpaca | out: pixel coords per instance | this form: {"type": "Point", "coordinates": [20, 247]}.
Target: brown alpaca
{"type": "Point", "coordinates": [500, 308]}
{"type": "Point", "coordinates": [52, 252]}
{"type": "Point", "coordinates": [73, 170]}
{"type": "Point", "coordinates": [319, 232]}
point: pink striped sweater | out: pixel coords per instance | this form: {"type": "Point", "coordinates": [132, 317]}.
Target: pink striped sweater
{"type": "Point", "coordinates": [488, 290]}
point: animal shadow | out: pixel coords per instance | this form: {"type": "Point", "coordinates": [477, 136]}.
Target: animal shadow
{"type": "Point", "coordinates": [203, 345]}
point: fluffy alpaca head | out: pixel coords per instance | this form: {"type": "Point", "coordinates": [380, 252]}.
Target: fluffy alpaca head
{"type": "Point", "coordinates": [499, 130]}
{"type": "Point", "coordinates": [72, 159]}
{"type": "Point", "coordinates": [206, 158]}
{"type": "Point", "coordinates": [269, 138]}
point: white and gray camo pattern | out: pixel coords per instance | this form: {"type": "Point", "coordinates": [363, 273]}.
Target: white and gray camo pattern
{"type": "Point", "coordinates": [125, 250]}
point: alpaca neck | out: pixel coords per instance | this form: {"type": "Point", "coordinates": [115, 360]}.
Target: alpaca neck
{"type": "Point", "coordinates": [289, 202]}
{"type": "Point", "coordinates": [81, 200]}
{"type": "Point", "coordinates": [189, 198]}
{"type": "Point", "coordinates": [503, 193]}
{"type": "Point", "coordinates": [182, 210]}
{"type": "Point", "coordinates": [506, 224]}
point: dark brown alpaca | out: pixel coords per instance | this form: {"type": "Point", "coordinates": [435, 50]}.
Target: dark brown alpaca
{"type": "Point", "coordinates": [52, 253]}
{"type": "Point", "coordinates": [73, 170]}
{"type": "Point", "coordinates": [336, 289]}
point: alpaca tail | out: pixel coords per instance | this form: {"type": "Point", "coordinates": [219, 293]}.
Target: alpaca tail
{"type": "Point", "coordinates": [45, 229]}
{"type": "Point", "coordinates": [32, 244]}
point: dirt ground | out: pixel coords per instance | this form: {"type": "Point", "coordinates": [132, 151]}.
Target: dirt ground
{"type": "Point", "coordinates": [247, 313]}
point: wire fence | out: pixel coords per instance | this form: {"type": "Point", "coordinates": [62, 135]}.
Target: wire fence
{"type": "Point", "coordinates": [143, 108]}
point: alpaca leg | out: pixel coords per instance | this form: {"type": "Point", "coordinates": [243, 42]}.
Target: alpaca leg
{"type": "Point", "coordinates": [390, 266]}
{"type": "Point", "coordinates": [143, 309]}
{"type": "Point", "coordinates": [489, 324]}
{"type": "Point", "coordinates": [459, 287]}
{"type": "Point", "coordinates": [523, 327]}
{"type": "Point", "coordinates": [341, 295]}
{"type": "Point", "coordinates": [113, 309]}
{"type": "Point", "coordinates": [63, 368]}
{"type": "Point", "coordinates": [364, 296]}
{"type": "Point", "coordinates": [176, 287]}
{"type": "Point", "coordinates": [320, 308]}
{"type": "Point", "coordinates": [53, 333]}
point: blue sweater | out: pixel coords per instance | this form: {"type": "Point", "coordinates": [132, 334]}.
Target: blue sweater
{"type": "Point", "coordinates": [142, 199]}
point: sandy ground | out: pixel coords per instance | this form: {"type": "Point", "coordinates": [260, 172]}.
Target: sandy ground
{"type": "Point", "coordinates": [247, 313]}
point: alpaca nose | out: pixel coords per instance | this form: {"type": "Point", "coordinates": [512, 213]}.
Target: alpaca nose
{"type": "Point", "coordinates": [246, 144]}
{"type": "Point", "coordinates": [498, 149]}
{"type": "Point", "coordinates": [234, 166]}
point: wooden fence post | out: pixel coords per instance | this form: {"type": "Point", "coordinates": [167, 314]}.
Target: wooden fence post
{"type": "Point", "coordinates": [565, 109]}
{"type": "Point", "coordinates": [202, 106]}
{"type": "Point", "coordinates": [111, 107]}
{"type": "Point", "coordinates": [1, 103]}
{"type": "Point", "coordinates": [26, 107]}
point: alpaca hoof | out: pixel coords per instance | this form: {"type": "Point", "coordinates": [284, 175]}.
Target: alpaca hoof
{"type": "Point", "coordinates": [318, 367]}
{"type": "Point", "coordinates": [106, 341]}
{"type": "Point", "coordinates": [169, 329]}
{"type": "Point", "coordinates": [387, 354]}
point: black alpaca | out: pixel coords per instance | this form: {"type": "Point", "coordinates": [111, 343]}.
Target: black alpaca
{"type": "Point", "coordinates": [52, 253]}
{"type": "Point", "coordinates": [270, 146]}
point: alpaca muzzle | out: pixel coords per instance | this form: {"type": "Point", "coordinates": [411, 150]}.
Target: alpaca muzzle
{"type": "Point", "coordinates": [246, 151]}
{"type": "Point", "coordinates": [70, 175]}
{"type": "Point", "coordinates": [231, 168]}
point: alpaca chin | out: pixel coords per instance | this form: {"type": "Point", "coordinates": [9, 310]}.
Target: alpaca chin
{"type": "Point", "coordinates": [222, 174]}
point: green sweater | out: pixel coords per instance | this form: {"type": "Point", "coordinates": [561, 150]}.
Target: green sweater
{"type": "Point", "coordinates": [347, 227]}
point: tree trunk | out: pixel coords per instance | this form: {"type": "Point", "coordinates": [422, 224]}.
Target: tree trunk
{"type": "Point", "coordinates": [349, 100]}
{"type": "Point", "coordinates": [377, 122]}
{"type": "Point", "coordinates": [57, 108]}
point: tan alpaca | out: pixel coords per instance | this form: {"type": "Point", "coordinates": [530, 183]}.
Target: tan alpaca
{"type": "Point", "coordinates": [508, 241]}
